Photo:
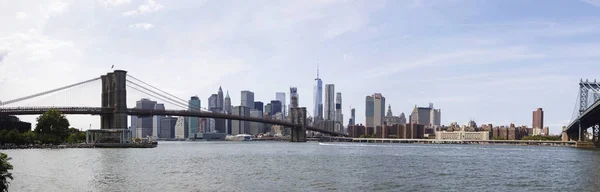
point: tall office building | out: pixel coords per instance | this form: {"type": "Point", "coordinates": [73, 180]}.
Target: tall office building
{"type": "Point", "coordinates": [402, 119]}
{"type": "Point", "coordinates": [276, 107]}
{"type": "Point", "coordinates": [213, 102]}
{"type": "Point", "coordinates": [240, 127]}
{"type": "Point", "coordinates": [167, 127]}
{"type": "Point", "coordinates": [144, 125]}
{"type": "Point", "coordinates": [220, 99]}
{"type": "Point", "coordinates": [293, 97]}
{"type": "Point", "coordinates": [269, 109]}
{"type": "Point", "coordinates": [227, 109]}
{"type": "Point", "coordinates": [213, 106]}
{"type": "Point", "coordinates": [280, 96]}
{"type": "Point", "coordinates": [157, 121]}
{"type": "Point", "coordinates": [259, 106]}
{"type": "Point", "coordinates": [352, 120]}
{"type": "Point", "coordinates": [247, 99]}
{"type": "Point", "coordinates": [538, 119]}
{"type": "Point", "coordinates": [318, 98]}
{"type": "Point", "coordinates": [428, 116]}
{"type": "Point", "coordinates": [329, 106]}
{"type": "Point", "coordinates": [193, 122]}
{"type": "Point", "coordinates": [181, 128]}
{"type": "Point", "coordinates": [256, 128]}
{"type": "Point", "coordinates": [227, 104]}
{"type": "Point", "coordinates": [375, 110]}
{"type": "Point", "coordinates": [339, 117]}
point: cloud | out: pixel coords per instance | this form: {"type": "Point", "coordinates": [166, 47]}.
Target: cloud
{"type": "Point", "coordinates": [114, 2]}
{"type": "Point", "coordinates": [2, 55]}
{"type": "Point", "coordinates": [145, 26]}
{"type": "Point", "coordinates": [149, 7]}
{"type": "Point", "coordinates": [21, 15]}
{"type": "Point", "coordinates": [592, 2]}
{"type": "Point", "coordinates": [57, 8]}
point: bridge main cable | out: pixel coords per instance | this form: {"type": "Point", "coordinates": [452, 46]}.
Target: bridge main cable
{"type": "Point", "coordinates": [47, 92]}
{"type": "Point", "coordinates": [172, 101]}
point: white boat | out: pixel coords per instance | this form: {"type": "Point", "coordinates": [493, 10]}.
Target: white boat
{"type": "Point", "coordinates": [239, 137]}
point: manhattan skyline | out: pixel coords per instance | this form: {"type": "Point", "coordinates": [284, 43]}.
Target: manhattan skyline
{"type": "Point", "coordinates": [492, 61]}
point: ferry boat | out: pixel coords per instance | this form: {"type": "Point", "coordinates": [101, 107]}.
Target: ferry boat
{"type": "Point", "coordinates": [239, 137]}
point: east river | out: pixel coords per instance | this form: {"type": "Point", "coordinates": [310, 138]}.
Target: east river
{"type": "Point", "coordinates": [283, 166]}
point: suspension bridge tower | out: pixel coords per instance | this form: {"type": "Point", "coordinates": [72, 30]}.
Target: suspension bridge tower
{"type": "Point", "coordinates": [298, 116]}
{"type": "Point", "coordinates": [114, 99]}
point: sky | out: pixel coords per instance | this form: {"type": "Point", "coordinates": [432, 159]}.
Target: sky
{"type": "Point", "coordinates": [490, 61]}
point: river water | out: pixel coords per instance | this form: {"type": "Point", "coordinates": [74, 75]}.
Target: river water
{"type": "Point", "coordinates": [284, 166]}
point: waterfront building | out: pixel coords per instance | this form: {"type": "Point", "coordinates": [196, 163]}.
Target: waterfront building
{"type": "Point", "coordinates": [280, 96]}
{"type": "Point", "coordinates": [181, 128]}
{"type": "Point", "coordinates": [247, 99]}
{"type": "Point", "coordinates": [167, 127]}
{"type": "Point", "coordinates": [463, 135]}
{"type": "Point", "coordinates": [256, 128]}
{"type": "Point", "coordinates": [194, 122]}
{"type": "Point", "coordinates": [11, 122]}
{"type": "Point", "coordinates": [318, 97]}
{"type": "Point", "coordinates": [375, 110]}
{"type": "Point", "coordinates": [428, 116]}
{"type": "Point", "coordinates": [240, 127]}
{"type": "Point", "coordinates": [144, 125]}
{"type": "Point", "coordinates": [157, 121]}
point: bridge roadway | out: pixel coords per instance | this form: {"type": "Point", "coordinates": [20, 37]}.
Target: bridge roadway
{"type": "Point", "coordinates": [588, 118]}
{"type": "Point", "coordinates": [142, 112]}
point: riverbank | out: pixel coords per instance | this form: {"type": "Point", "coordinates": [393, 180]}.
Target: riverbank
{"type": "Point", "coordinates": [80, 145]}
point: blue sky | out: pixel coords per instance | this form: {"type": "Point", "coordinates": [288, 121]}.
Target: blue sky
{"type": "Point", "coordinates": [491, 61]}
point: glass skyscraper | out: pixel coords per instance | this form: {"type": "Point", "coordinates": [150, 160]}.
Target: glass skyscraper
{"type": "Point", "coordinates": [193, 122]}
{"type": "Point", "coordinates": [318, 98]}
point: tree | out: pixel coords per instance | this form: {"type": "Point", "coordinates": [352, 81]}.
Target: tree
{"type": "Point", "coordinates": [52, 125]}
{"type": "Point", "coordinates": [5, 175]}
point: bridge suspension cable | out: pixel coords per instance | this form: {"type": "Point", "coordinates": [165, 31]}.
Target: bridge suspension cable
{"type": "Point", "coordinates": [47, 92]}
{"type": "Point", "coordinates": [157, 88]}
{"type": "Point", "coordinates": [181, 102]}
{"type": "Point", "coordinates": [158, 95]}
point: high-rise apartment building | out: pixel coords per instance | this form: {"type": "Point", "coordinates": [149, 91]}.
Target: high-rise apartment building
{"type": "Point", "coordinates": [318, 98]}
{"type": "Point", "coordinates": [329, 105]}
{"type": "Point", "coordinates": [280, 96]}
{"type": "Point", "coordinates": [194, 122]}
{"type": "Point", "coordinates": [375, 110]}
{"type": "Point", "coordinates": [538, 119]}
{"type": "Point", "coordinates": [247, 99]}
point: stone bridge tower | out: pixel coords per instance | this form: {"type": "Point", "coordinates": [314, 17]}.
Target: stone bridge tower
{"type": "Point", "coordinates": [298, 116]}
{"type": "Point", "coordinates": [114, 99]}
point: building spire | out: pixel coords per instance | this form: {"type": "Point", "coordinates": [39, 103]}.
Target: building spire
{"type": "Point", "coordinates": [317, 70]}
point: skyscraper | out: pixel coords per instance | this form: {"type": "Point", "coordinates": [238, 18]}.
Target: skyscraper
{"type": "Point", "coordinates": [144, 125]}
{"type": "Point", "coordinates": [428, 116]}
{"type": "Point", "coordinates": [220, 99]}
{"type": "Point", "coordinates": [239, 127]}
{"type": "Point", "coordinates": [247, 99]}
{"type": "Point", "coordinates": [193, 122]}
{"type": "Point", "coordinates": [329, 102]}
{"type": "Point", "coordinates": [227, 110]}
{"type": "Point", "coordinates": [280, 96]}
{"type": "Point", "coordinates": [293, 97]}
{"type": "Point", "coordinates": [375, 110]}
{"type": "Point", "coordinates": [276, 107]}
{"type": "Point", "coordinates": [157, 121]}
{"type": "Point", "coordinates": [339, 117]}
{"type": "Point", "coordinates": [213, 102]}
{"type": "Point", "coordinates": [538, 119]}
{"type": "Point", "coordinates": [259, 106]}
{"type": "Point", "coordinates": [352, 117]}
{"type": "Point", "coordinates": [318, 97]}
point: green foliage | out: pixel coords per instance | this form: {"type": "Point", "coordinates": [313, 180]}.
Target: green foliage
{"type": "Point", "coordinates": [52, 127]}
{"type": "Point", "coordinates": [541, 138]}
{"type": "Point", "coordinates": [137, 140]}
{"type": "Point", "coordinates": [5, 175]}
{"type": "Point", "coordinates": [498, 138]}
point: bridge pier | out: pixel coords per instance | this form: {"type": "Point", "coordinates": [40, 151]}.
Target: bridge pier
{"type": "Point", "coordinates": [114, 96]}
{"type": "Point", "coordinates": [298, 116]}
